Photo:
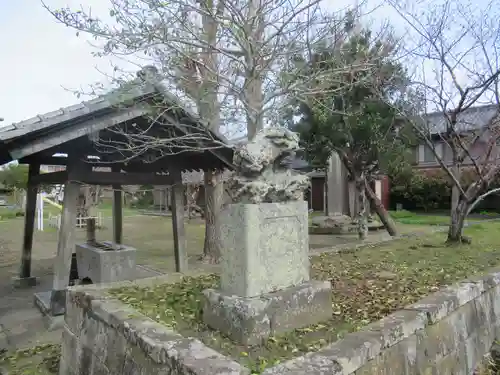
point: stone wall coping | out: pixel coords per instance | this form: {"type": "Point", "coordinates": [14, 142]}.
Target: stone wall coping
{"type": "Point", "coordinates": [356, 349]}
{"type": "Point", "coordinates": [160, 343]}
{"type": "Point", "coordinates": [165, 346]}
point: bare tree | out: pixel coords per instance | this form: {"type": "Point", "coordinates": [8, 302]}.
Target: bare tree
{"type": "Point", "coordinates": [226, 57]}
{"type": "Point", "coordinates": [192, 192]}
{"type": "Point", "coordinates": [456, 52]}
{"type": "Point", "coordinates": [88, 200]}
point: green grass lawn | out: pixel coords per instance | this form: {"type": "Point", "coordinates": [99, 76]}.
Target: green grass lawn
{"type": "Point", "coordinates": [9, 213]}
{"type": "Point", "coordinates": [383, 278]}
{"type": "Point", "coordinates": [407, 217]}
{"type": "Point", "coordinates": [107, 210]}
{"type": "Point", "coordinates": [366, 285]}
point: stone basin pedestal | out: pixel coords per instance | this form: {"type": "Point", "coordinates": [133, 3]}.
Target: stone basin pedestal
{"type": "Point", "coordinates": [105, 262]}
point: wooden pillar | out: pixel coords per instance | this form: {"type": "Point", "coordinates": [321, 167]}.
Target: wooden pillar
{"type": "Point", "coordinates": [65, 245]}
{"type": "Point", "coordinates": [177, 190]}
{"type": "Point", "coordinates": [25, 278]}
{"type": "Point", "coordinates": [117, 212]}
{"type": "Point", "coordinates": [168, 198]}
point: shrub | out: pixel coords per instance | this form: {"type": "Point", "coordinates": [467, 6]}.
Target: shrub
{"type": "Point", "coordinates": [145, 198]}
{"type": "Point", "coordinates": [431, 190]}
{"type": "Point", "coordinates": [416, 191]}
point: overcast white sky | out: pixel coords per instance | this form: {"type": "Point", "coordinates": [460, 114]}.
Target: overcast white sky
{"type": "Point", "coordinates": [40, 59]}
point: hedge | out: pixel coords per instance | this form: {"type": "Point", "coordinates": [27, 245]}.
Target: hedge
{"type": "Point", "coordinates": [431, 190]}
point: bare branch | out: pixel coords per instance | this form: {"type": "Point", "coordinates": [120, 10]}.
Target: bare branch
{"type": "Point", "coordinates": [459, 47]}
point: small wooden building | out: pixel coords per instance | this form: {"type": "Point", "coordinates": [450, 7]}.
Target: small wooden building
{"type": "Point", "coordinates": [140, 133]}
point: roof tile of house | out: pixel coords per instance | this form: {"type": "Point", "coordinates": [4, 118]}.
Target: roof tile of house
{"type": "Point", "coordinates": [473, 118]}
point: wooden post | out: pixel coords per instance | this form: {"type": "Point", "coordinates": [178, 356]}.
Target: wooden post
{"type": "Point", "coordinates": [91, 230]}
{"type": "Point", "coordinates": [168, 198]}
{"type": "Point", "coordinates": [117, 212]}
{"type": "Point", "coordinates": [25, 278]}
{"type": "Point", "coordinates": [181, 260]}
{"type": "Point", "coordinates": [65, 245]}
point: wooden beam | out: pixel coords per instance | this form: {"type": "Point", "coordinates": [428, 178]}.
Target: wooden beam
{"type": "Point", "coordinates": [52, 160]}
{"type": "Point", "coordinates": [117, 211]}
{"type": "Point", "coordinates": [59, 177]}
{"type": "Point", "coordinates": [29, 227]}
{"type": "Point", "coordinates": [80, 130]}
{"type": "Point", "coordinates": [132, 166]}
{"type": "Point", "coordinates": [66, 243]}
{"type": "Point", "coordinates": [180, 248]}
{"type": "Point", "coordinates": [188, 161]}
{"type": "Point", "coordinates": [44, 160]}
{"type": "Point", "coordinates": [119, 178]}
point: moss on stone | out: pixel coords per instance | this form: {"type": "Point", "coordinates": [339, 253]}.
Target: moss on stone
{"type": "Point", "coordinates": [37, 360]}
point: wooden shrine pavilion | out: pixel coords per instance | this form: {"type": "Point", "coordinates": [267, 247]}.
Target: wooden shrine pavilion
{"type": "Point", "coordinates": [140, 132]}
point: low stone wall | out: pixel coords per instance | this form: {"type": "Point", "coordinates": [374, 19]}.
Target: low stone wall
{"type": "Point", "coordinates": [102, 336]}
{"type": "Point", "coordinates": [447, 332]}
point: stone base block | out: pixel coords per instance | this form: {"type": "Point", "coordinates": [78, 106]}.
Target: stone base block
{"type": "Point", "coordinates": [53, 319]}
{"type": "Point", "coordinates": [335, 230]}
{"type": "Point", "coordinates": [105, 266]}
{"type": "Point", "coordinates": [250, 320]}
{"type": "Point", "coordinates": [348, 229]}
{"type": "Point", "coordinates": [24, 282]}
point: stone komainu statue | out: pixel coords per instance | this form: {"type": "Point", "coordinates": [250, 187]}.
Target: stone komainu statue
{"type": "Point", "coordinates": [261, 176]}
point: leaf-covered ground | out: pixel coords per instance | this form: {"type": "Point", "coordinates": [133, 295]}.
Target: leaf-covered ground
{"type": "Point", "coordinates": [366, 285]}
{"type": "Point", "coordinates": [39, 360]}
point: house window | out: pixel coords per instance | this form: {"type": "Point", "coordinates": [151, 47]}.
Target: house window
{"type": "Point", "coordinates": [426, 154]}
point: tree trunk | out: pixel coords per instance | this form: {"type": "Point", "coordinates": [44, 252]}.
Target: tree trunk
{"type": "Point", "coordinates": [457, 221]}
{"type": "Point", "coordinates": [214, 194]}
{"type": "Point", "coordinates": [455, 196]}
{"type": "Point", "coordinates": [456, 218]}
{"type": "Point", "coordinates": [456, 172]}
{"type": "Point", "coordinates": [382, 213]}
{"type": "Point", "coordinates": [205, 93]}
{"type": "Point", "coordinates": [254, 69]}
{"type": "Point", "coordinates": [325, 194]}
{"type": "Point", "coordinates": [362, 212]}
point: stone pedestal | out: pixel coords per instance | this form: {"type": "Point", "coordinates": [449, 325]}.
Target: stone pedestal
{"type": "Point", "coordinates": [265, 286]}
{"type": "Point", "coordinates": [265, 247]}
{"type": "Point", "coordinates": [105, 266]}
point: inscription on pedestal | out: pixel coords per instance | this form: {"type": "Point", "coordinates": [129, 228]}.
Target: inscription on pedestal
{"type": "Point", "coordinates": [264, 247]}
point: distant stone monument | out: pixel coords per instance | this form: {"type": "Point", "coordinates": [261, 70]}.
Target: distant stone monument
{"type": "Point", "coordinates": [265, 287]}
{"type": "Point", "coordinates": [335, 221]}
{"type": "Point", "coordinates": [336, 186]}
